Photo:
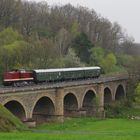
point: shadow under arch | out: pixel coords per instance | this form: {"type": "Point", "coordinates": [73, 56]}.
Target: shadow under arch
{"type": "Point", "coordinates": [90, 103]}
{"type": "Point", "coordinates": [16, 108]}
{"type": "Point", "coordinates": [120, 93]}
{"type": "Point", "coordinates": [44, 110]}
{"type": "Point", "coordinates": [107, 96]}
{"type": "Point", "coordinates": [70, 105]}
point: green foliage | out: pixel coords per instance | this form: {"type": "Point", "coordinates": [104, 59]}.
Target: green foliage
{"type": "Point", "coordinates": [121, 109]}
{"type": "Point", "coordinates": [43, 32]}
{"type": "Point", "coordinates": [97, 55]}
{"type": "Point", "coordinates": [134, 69]}
{"type": "Point", "coordinates": [82, 46]}
{"type": "Point", "coordinates": [75, 29]}
{"type": "Point", "coordinates": [125, 60]}
{"type": "Point", "coordinates": [62, 42]}
{"type": "Point", "coordinates": [115, 110]}
{"type": "Point", "coordinates": [13, 49]}
{"type": "Point", "coordinates": [137, 96]}
{"type": "Point", "coordinates": [71, 60]}
{"type": "Point", "coordinates": [8, 36]}
{"type": "Point", "coordinates": [57, 63]}
{"type": "Point", "coordinates": [133, 82]}
{"type": "Point", "coordinates": [108, 63]}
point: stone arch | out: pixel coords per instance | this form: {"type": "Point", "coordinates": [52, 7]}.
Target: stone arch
{"type": "Point", "coordinates": [37, 99]}
{"type": "Point", "coordinates": [107, 96]}
{"type": "Point", "coordinates": [16, 108]}
{"type": "Point", "coordinates": [85, 92]}
{"type": "Point", "coordinates": [89, 103]}
{"type": "Point", "coordinates": [70, 105]}
{"type": "Point", "coordinates": [43, 110]}
{"type": "Point", "coordinates": [120, 93]}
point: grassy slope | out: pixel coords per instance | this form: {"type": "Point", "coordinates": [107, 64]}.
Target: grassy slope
{"type": "Point", "coordinates": [9, 122]}
{"type": "Point", "coordinates": [83, 129]}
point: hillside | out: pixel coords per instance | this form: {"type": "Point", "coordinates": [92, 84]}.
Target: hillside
{"type": "Point", "coordinates": [9, 122]}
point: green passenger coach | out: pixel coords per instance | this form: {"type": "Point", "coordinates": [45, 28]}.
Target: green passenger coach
{"type": "Point", "coordinates": [47, 75]}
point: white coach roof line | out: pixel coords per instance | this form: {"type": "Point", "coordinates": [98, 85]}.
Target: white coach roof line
{"type": "Point", "coordinates": [66, 69]}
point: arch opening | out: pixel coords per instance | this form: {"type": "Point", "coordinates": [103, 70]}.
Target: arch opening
{"type": "Point", "coordinates": [44, 110]}
{"type": "Point", "coordinates": [120, 94]}
{"type": "Point", "coordinates": [107, 96]}
{"type": "Point", "coordinates": [90, 103]}
{"type": "Point", "coordinates": [16, 109]}
{"type": "Point", "coordinates": [70, 105]}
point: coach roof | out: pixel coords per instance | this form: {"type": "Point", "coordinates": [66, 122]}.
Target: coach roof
{"type": "Point", "coordinates": [65, 69]}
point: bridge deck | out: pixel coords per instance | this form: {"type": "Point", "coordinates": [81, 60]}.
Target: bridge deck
{"type": "Point", "coordinates": [102, 79]}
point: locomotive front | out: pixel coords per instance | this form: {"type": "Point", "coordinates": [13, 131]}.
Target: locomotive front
{"type": "Point", "coordinates": [17, 77]}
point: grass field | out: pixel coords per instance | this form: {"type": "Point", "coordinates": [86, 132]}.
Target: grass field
{"type": "Point", "coordinates": [81, 129]}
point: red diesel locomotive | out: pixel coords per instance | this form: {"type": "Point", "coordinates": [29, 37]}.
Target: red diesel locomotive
{"type": "Point", "coordinates": [17, 77]}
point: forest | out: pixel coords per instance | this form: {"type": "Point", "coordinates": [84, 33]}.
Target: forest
{"type": "Point", "coordinates": [37, 35]}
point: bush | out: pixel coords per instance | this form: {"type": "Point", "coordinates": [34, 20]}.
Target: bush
{"type": "Point", "coordinates": [120, 109]}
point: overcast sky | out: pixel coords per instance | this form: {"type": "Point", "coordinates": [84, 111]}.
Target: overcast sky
{"type": "Point", "coordinates": [125, 12]}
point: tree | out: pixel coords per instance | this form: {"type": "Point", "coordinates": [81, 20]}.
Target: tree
{"type": "Point", "coordinates": [71, 60]}
{"type": "Point", "coordinates": [75, 29]}
{"type": "Point", "coordinates": [137, 96]}
{"type": "Point", "coordinates": [8, 36]}
{"type": "Point", "coordinates": [82, 46]}
{"type": "Point", "coordinates": [62, 42]}
{"type": "Point", "coordinates": [97, 55]}
{"type": "Point", "coordinates": [9, 12]}
{"type": "Point", "coordinates": [125, 60]}
{"type": "Point", "coordinates": [13, 49]}
{"type": "Point", "coordinates": [108, 63]}
{"type": "Point", "coordinates": [28, 18]}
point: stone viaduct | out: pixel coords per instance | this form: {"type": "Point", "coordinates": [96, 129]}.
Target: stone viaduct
{"type": "Point", "coordinates": [55, 101]}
